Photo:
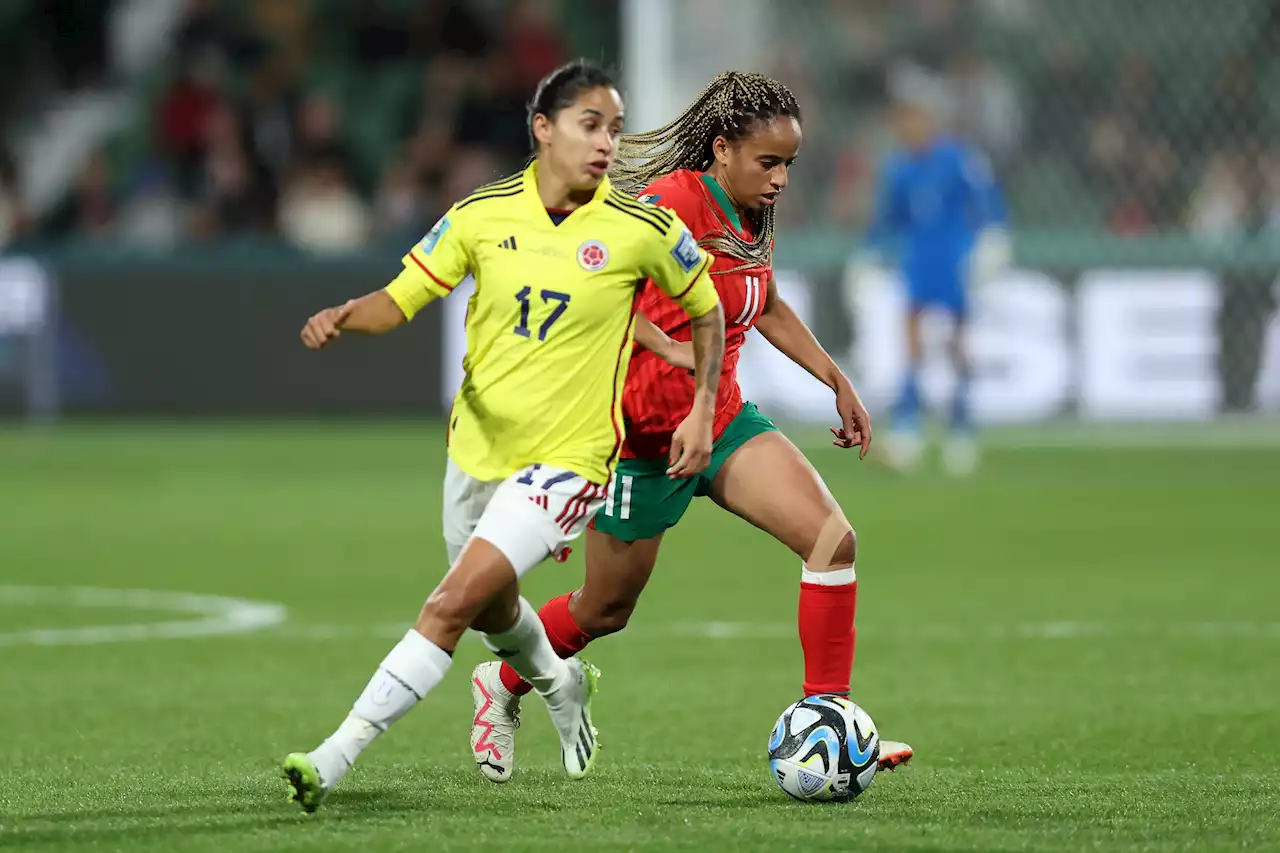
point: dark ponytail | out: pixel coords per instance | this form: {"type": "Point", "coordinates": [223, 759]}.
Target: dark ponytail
{"type": "Point", "coordinates": [562, 87]}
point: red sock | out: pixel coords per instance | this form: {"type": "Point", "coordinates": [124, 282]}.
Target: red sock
{"type": "Point", "coordinates": [563, 632]}
{"type": "Point", "coordinates": [827, 635]}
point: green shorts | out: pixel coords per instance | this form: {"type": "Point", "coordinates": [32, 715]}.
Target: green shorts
{"type": "Point", "coordinates": [643, 502]}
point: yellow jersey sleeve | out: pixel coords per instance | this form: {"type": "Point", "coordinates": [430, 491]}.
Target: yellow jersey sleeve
{"type": "Point", "coordinates": [679, 266]}
{"type": "Point", "coordinates": [432, 268]}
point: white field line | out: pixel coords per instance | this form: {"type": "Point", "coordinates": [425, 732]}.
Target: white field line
{"type": "Point", "coordinates": [214, 615]}
{"type": "Point", "coordinates": [218, 615]}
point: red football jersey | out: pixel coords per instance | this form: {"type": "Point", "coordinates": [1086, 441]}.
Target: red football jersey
{"type": "Point", "coordinates": [658, 396]}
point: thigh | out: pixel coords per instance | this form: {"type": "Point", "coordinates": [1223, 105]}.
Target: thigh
{"type": "Point", "coordinates": [746, 425]}
{"type": "Point", "coordinates": [768, 482]}
{"type": "Point", "coordinates": [465, 500]}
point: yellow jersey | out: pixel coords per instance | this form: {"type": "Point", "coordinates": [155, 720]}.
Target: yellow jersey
{"type": "Point", "coordinates": [550, 325]}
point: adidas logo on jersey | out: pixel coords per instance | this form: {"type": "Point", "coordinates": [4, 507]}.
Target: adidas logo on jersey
{"type": "Point", "coordinates": [509, 243]}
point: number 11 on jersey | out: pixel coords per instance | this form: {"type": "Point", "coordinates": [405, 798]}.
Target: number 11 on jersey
{"type": "Point", "coordinates": [562, 300]}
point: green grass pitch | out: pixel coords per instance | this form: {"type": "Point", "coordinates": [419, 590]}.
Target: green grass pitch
{"type": "Point", "coordinates": [1081, 643]}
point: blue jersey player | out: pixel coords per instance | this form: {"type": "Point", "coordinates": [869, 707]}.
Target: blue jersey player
{"type": "Point", "coordinates": [941, 213]}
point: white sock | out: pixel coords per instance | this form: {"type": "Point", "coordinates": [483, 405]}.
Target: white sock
{"type": "Point", "coordinates": [406, 675]}
{"type": "Point", "coordinates": [525, 646]}
{"type": "Point", "coordinates": [840, 577]}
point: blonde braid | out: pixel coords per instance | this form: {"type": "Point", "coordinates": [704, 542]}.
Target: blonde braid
{"type": "Point", "coordinates": [730, 105]}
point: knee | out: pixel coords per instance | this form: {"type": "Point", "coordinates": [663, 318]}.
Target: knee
{"type": "Point", "coordinates": [450, 610]}
{"type": "Point", "coordinates": [847, 551]}
{"type": "Point", "coordinates": [836, 545]}
{"type": "Point", "coordinates": [605, 616]}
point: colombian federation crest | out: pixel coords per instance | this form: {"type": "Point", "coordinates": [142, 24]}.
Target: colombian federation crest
{"type": "Point", "coordinates": [593, 255]}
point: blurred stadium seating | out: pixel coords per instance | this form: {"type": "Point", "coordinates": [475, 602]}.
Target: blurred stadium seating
{"type": "Point", "coordinates": [1133, 135]}
{"type": "Point", "coordinates": [1128, 119]}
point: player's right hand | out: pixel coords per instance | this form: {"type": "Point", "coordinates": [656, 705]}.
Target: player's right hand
{"type": "Point", "coordinates": [326, 325]}
{"type": "Point", "coordinates": [691, 444]}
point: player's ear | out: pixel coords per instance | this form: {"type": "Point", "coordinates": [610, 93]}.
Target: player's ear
{"type": "Point", "coordinates": [720, 148]}
{"type": "Point", "coordinates": [541, 128]}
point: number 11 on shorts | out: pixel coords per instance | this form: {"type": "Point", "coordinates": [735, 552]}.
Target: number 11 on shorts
{"type": "Point", "coordinates": [620, 487]}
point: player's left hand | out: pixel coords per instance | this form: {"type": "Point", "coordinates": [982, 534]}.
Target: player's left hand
{"type": "Point", "coordinates": [855, 428]}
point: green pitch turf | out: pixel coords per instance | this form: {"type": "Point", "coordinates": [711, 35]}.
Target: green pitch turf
{"type": "Point", "coordinates": [1081, 643]}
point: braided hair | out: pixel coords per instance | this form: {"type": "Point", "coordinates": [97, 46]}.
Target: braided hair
{"type": "Point", "coordinates": [730, 106]}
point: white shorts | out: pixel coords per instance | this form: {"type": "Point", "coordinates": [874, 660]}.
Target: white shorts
{"type": "Point", "coordinates": [529, 516]}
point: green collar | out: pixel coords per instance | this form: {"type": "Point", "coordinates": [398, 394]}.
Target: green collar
{"type": "Point", "coordinates": [722, 199]}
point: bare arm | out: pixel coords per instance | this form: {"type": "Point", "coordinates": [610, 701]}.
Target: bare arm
{"type": "Point", "coordinates": [372, 314]}
{"type": "Point", "coordinates": [787, 332]}
{"type": "Point", "coordinates": [708, 356]}
{"type": "Point", "coordinates": [657, 341]}
{"type": "Point", "coordinates": [783, 328]}
{"type": "Point", "coordinates": [692, 441]}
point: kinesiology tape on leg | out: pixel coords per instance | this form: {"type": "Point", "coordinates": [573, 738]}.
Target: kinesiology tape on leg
{"type": "Point", "coordinates": [827, 548]}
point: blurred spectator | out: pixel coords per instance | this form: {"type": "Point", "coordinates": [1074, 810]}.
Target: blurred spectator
{"type": "Point", "coordinates": [152, 216]}
{"type": "Point", "coordinates": [89, 210]}
{"type": "Point", "coordinates": [377, 34]}
{"type": "Point", "coordinates": [493, 112]}
{"type": "Point", "coordinates": [1055, 124]}
{"type": "Point", "coordinates": [532, 43]}
{"type": "Point", "coordinates": [1237, 86]}
{"type": "Point", "coordinates": [75, 32]}
{"type": "Point", "coordinates": [444, 83]}
{"type": "Point", "coordinates": [235, 193]}
{"type": "Point", "coordinates": [428, 155]}
{"type": "Point", "coordinates": [448, 27]}
{"type": "Point", "coordinates": [1155, 177]}
{"type": "Point", "coordinates": [15, 221]}
{"type": "Point", "coordinates": [400, 205]}
{"type": "Point", "coordinates": [284, 25]}
{"type": "Point", "coordinates": [1271, 178]}
{"type": "Point", "coordinates": [184, 113]}
{"type": "Point", "coordinates": [1134, 85]}
{"type": "Point", "coordinates": [320, 211]}
{"type": "Point", "coordinates": [319, 123]}
{"type": "Point", "coordinates": [1130, 216]}
{"type": "Point", "coordinates": [204, 30]}
{"type": "Point", "coordinates": [984, 104]}
{"type": "Point", "coordinates": [470, 167]}
{"type": "Point", "coordinates": [271, 103]}
{"type": "Point", "coordinates": [1219, 205]}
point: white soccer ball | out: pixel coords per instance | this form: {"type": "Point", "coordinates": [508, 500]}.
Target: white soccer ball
{"type": "Point", "coordinates": [824, 748]}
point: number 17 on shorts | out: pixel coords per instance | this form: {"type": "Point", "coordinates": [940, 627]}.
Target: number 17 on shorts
{"type": "Point", "coordinates": [543, 507]}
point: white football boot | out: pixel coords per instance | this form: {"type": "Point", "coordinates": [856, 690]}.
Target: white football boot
{"type": "Point", "coordinates": [493, 729]}
{"type": "Point", "coordinates": [894, 753]}
{"type": "Point", "coordinates": [570, 707]}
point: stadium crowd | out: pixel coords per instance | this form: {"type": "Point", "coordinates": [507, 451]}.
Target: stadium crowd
{"type": "Point", "coordinates": [336, 125]}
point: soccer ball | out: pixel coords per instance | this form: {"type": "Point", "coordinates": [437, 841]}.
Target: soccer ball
{"type": "Point", "coordinates": [824, 748]}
